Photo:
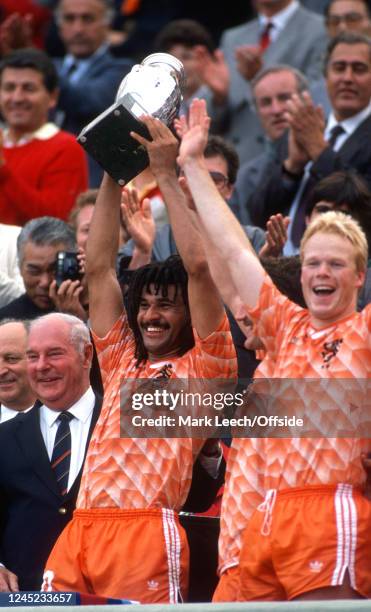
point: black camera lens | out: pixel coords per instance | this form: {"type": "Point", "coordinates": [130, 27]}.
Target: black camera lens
{"type": "Point", "coordinates": [67, 267]}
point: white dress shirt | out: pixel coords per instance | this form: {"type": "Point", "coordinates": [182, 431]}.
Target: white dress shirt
{"type": "Point", "coordinates": [79, 426]}
{"type": "Point", "coordinates": [9, 413]}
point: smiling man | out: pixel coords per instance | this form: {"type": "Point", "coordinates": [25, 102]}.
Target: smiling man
{"type": "Point", "coordinates": [42, 168]}
{"type": "Point", "coordinates": [39, 485]}
{"type": "Point", "coordinates": [15, 392]}
{"type": "Point", "coordinates": [175, 327]}
{"type": "Point", "coordinates": [295, 524]}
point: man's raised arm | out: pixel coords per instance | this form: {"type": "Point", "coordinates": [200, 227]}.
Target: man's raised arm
{"type": "Point", "coordinates": [205, 304]}
{"type": "Point", "coordinates": [218, 221]}
{"type": "Point", "coordinates": [105, 298]}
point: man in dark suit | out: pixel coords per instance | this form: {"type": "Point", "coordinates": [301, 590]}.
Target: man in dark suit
{"type": "Point", "coordinates": [33, 507]}
{"type": "Point", "coordinates": [89, 74]}
{"type": "Point", "coordinates": [317, 149]}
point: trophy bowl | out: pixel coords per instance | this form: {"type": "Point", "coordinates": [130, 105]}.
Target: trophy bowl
{"type": "Point", "coordinates": [153, 87]}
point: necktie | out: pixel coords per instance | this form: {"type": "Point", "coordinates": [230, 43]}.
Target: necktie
{"type": "Point", "coordinates": [265, 39]}
{"type": "Point", "coordinates": [61, 456]}
{"type": "Point", "coordinates": [71, 70]}
{"type": "Point", "coordinates": [336, 131]}
{"type": "Point", "coordinates": [298, 225]}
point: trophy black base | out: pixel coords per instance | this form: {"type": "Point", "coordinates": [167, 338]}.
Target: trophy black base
{"type": "Point", "coordinates": [107, 139]}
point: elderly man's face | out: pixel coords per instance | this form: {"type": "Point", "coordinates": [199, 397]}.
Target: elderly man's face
{"type": "Point", "coordinates": [271, 95]}
{"type": "Point", "coordinates": [58, 372]}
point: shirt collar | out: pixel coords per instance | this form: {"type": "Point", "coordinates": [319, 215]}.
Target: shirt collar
{"type": "Point", "coordinates": [81, 410]}
{"type": "Point", "coordinates": [280, 19]}
{"type": "Point", "coordinates": [5, 411]}
{"type": "Point", "coordinates": [70, 59]}
{"type": "Point", "coordinates": [46, 131]}
{"type": "Point", "coordinates": [349, 125]}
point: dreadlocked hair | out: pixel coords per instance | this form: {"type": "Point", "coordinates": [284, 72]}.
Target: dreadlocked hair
{"type": "Point", "coordinates": [161, 275]}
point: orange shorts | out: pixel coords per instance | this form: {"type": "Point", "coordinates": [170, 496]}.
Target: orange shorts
{"type": "Point", "coordinates": [228, 585]}
{"type": "Point", "coordinates": [306, 539]}
{"type": "Point", "coordinates": [130, 554]}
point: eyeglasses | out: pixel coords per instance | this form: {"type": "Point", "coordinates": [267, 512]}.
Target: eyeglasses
{"type": "Point", "coordinates": [219, 179]}
{"type": "Point", "coordinates": [348, 18]}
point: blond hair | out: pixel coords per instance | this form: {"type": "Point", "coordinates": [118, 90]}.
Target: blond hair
{"type": "Point", "coordinates": [343, 225]}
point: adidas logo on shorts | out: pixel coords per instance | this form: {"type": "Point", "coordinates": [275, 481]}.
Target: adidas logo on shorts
{"type": "Point", "coordinates": [153, 585]}
{"type": "Point", "coordinates": [315, 566]}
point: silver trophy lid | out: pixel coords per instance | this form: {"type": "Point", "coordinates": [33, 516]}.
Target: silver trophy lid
{"type": "Point", "coordinates": [157, 82]}
{"type": "Point", "coordinates": [169, 60]}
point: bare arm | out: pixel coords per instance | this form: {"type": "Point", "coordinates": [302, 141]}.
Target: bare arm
{"type": "Point", "coordinates": [205, 304]}
{"type": "Point", "coordinates": [105, 298]}
{"type": "Point", "coordinates": [218, 221]}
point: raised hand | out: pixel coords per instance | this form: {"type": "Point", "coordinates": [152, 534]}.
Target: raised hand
{"type": "Point", "coordinates": [297, 156]}
{"type": "Point", "coordinates": [213, 71]}
{"type": "Point", "coordinates": [162, 149]}
{"type": "Point", "coordinates": [307, 123]}
{"type": "Point", "coordinates": [138, 219]}
{"type": "Point", "coordinates": [194, 132]}
{"type": "Point", "coordinates": [276, 236]}
{"type": "Point", "coordinates": [249, 60]}
{"type": "Point", "coordinates": [15, 33]}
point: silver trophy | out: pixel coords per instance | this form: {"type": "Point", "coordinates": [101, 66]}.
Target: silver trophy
{"type": "Point", "coordinates": [153, 87]}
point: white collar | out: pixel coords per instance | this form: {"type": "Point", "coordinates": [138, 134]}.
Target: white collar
{"type": "Point", "coordinates": [81, 410]}
{"type": "Point", "coordinates": [349, 125]}
{"type": "Point", "coordinates": [9, 413]}
{"type": "Point", "coordinates": [70, 59]}
{"type": "Point", "coordinates": [280, 19]}
{"type": "Point", "coordinates": [46, 131]}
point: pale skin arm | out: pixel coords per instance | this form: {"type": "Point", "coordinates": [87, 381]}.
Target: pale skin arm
{"type": "Point", "coordinates": [228, 291]}
{"type": "Point", "coordinates": [218, 221]}
{"type": "Point", "coordinates": [205, 304]}
{"type": "Point", "coordinates": [105, 297]}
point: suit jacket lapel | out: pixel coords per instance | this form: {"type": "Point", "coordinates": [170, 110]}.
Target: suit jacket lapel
{"type": "Point", "coordinates": [359, 140]}
{"type": "Point", "coordinates": [30, 440]}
